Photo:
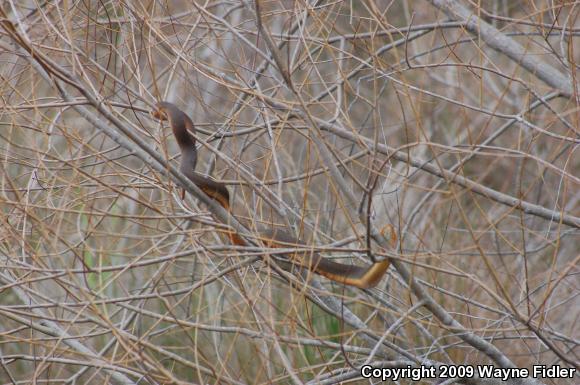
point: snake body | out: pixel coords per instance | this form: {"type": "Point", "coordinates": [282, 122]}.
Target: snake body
{"type": "Point", "coordinates": [362, 277]}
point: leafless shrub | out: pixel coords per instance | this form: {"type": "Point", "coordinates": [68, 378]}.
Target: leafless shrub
{"type": "Point", "coordinates": [455, 122]}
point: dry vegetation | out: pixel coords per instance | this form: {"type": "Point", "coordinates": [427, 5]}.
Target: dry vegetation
{"type": "Point", "coordinates": [458, 120]}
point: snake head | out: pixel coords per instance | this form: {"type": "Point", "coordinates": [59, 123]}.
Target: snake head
{"type": "Point", "coordinates": [159, 112]}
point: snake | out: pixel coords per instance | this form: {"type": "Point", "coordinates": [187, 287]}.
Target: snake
{"type": "Point", "coordinates": [352, 275]}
